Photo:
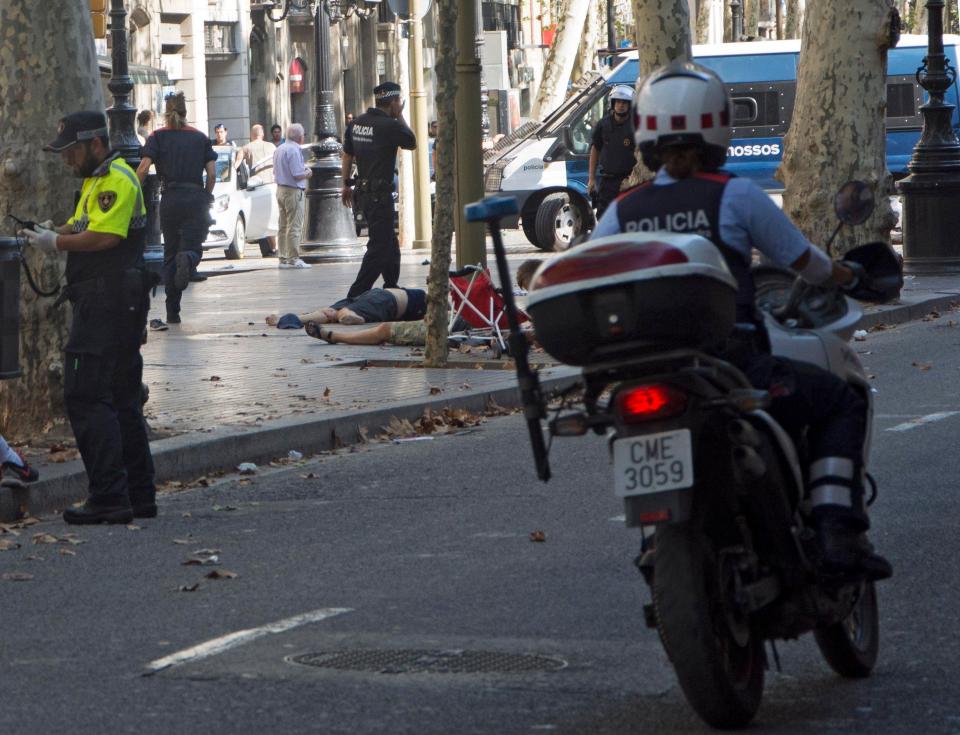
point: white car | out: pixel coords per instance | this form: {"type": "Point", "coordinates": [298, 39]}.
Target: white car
{"type": "Point", "coordinates": [244, 206]}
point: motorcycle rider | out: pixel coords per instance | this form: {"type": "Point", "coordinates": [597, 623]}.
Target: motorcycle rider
{"type": "Point", "coordinates": [682, 115]}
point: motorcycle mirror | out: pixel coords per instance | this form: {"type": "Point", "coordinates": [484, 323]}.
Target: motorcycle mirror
{"type": "Point", "coordinates": [854, 203]}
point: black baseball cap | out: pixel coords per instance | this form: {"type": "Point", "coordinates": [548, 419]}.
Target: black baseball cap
{"type": "Point", "coordinates": [219, 125]}
{"type": "Point", "coordinates": [76, 128]}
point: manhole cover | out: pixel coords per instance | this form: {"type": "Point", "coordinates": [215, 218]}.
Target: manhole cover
{"type": "Point", "coordinates": [394, 661]}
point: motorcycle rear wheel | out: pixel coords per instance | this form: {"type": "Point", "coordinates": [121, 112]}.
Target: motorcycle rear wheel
{"type": "Point", "coordinates": [852, 645]}
{"type": "Point", "coordinates": [721, 679]}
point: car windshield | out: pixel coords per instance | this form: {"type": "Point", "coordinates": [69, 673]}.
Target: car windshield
{"type": "Point", "coordinates": [224, 169]}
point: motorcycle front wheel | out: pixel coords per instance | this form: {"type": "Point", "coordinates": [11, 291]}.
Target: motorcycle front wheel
{"type": "Point", "coordinates": [720, 672]}
{"type": "Point", "coordinates": [852, 645]}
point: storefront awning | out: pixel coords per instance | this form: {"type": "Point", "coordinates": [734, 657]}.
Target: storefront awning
{"type": "Point", "coordinates": [138, 72]}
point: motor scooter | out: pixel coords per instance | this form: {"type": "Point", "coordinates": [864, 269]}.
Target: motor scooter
{"type": "Point", "coordinates": [715, 485]}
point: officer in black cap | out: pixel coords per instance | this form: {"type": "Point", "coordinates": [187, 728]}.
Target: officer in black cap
{"type": "Point", "coordinates": [108, 288]}
{"type": "Point", "coordinates": [372, 141]}
{"type": "Point", "coordinates": [182, 154]}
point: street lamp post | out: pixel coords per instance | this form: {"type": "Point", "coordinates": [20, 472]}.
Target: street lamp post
{"type": "Point", "coordinates": [931, 218]}
{"type": "Point", "coordinates": [736, 18]}
{"type": "Point", "coordinates": [331, 232]}
{"type": "Point", "coordinates": [123, 134]}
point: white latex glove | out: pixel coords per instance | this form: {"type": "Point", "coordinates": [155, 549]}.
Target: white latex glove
{"type": "Point", "coordinates": [47, 224]}
{"type": "Point", "coordinates": [43, 240]}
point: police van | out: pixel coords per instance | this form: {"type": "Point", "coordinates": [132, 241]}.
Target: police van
{"type": "Point", "coordinates": [544, 164]}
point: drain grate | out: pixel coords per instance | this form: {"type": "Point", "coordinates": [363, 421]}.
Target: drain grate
{"type": "Point", "coordinates": [393, 661]}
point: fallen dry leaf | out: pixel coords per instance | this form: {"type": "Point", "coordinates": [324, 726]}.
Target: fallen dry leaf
{"type": "Point", "coordinates": [65, 456]}
{"type": "Point", "coordinates": [67, 552]}
{"type": "Point", "coordinates": [214, 378]}
{"type": "Point", "coordinates": [189, 587]}
{"type": "Point", "coordinates": [434, 390]}
{"type": "Point", "coordinates": [45, 538]}
{"type": "Point", "coordinates": [326, 392]}
{"type": "Point", "coordinates": [134, 527]}
{"type": "Point", "coordinates": [181, 541]}
{"type": "Point", "coordinates": [220, 574]}
{"type": "Point", "coordinates": [16, 576]}
{"type": "Point", "coordinates": [33, 557]}
{"type": "Point", "coordinates": [8, 545]}
{"type": "Point", "coordinates": [923, 366]}
{"type": "Point", "coordinates": [224, 507]}
{"type": "Point", "coordinates": [538, 536]}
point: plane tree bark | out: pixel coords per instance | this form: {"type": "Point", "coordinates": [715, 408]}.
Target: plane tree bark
{"type": "Point", "coordinates": [48, 67]}
{"type": "Point", "coordinates": [438, 283]}
{"type": "Point", "coordinates": [559, 63]}
{"type": "Point", "coordinates": [831, 140]}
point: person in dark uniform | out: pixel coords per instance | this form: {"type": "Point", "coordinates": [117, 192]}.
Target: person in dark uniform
{"type": "Point", "coordinates": [108, 288]}
{"type": "Point", "coordinates": [181, 154]}
{"type": "Point", "coordinates": [612, 149]}
{"type": "Point", "coordinates": [372, 141]}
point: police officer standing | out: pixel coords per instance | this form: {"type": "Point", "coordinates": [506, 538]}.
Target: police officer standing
{"type": "Point", "coordinates": [612, 148]}
{"type": "Point", "coordinates": [372, 141]}
{"type": "Point", "coordinates": [109, 291]}
{"type": "Point", "coordinates": [181, 154]}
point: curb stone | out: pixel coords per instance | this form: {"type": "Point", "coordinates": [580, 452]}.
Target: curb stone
{"type": "Point", "coordinates": [193, 455]}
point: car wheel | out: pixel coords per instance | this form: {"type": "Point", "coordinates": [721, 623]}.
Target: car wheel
{"type": "Point", "coordinates": [235, 251]}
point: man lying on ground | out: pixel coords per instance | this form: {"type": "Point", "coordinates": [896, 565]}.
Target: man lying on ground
{"type": "Point", "coordinates": [404, 333]}
{"type": "Point", "coordinates": [375, 305]}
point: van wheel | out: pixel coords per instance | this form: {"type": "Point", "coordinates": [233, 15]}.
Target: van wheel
{"type": "Point", "coordinates": [235, 251]}
{"type": "Point", "coordinates": [558, 223]}
{"type": "Point", "coordinates": [528, 222]}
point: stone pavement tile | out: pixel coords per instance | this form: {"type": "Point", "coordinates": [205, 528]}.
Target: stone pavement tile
{"type": "Point", "coordinates": [223, 366]}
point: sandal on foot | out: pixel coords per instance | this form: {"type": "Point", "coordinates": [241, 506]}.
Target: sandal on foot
{"type": "Point", "coordinates": [318, 332]}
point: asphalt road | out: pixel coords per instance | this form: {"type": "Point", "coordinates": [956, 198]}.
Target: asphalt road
{"type": "Point", "coordinates": [425, 546]}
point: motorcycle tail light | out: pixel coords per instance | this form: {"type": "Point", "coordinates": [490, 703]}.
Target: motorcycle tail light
{"type": "Point", "coordinates": [641, 403]}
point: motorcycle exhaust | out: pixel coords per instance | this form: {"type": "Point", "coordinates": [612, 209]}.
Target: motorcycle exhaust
{"type": "Point", "coordinates": [749, 461]}
{"type": "Point", "coordinates": [742, 433]}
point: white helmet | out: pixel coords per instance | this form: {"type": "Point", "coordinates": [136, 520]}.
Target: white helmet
{"type": "Point", "coordinates": [621, 92]}
{"type": "Point", "coordinates": [682, 103]}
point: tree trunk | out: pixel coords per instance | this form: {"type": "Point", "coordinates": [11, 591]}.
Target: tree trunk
{"type": "Point", "coordinates": [587, 53]}
{"type": "Point", "coordinates": [751, 16]}
{"type": "Point", "coordinates": [438, 284]}
{"type": "Point", "coordinates": [793, 19]}
{"type": "Point", "coordinates": [559, 63]}
{"type": "Point", "coordinates": [727, 22]}
{"type": "Point", "coordinates": [778, 19]}
{"type": "Point", "coordinates": [703, 21]}
{"type": "Point", "coordinates": [48, 68]}
{"type": "Point", "coordinates": [830, 140]}
{"type": "Point", "coordinates": [663, 34]}
{"type": "Point", "coordinates": [920, 17]}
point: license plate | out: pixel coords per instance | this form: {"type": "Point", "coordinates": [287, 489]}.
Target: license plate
{"type": "Point", "coordinates": [652, 463]}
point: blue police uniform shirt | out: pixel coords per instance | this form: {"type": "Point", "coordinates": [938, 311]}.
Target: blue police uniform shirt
{"type": "Point", "coordinates": [748, 219]}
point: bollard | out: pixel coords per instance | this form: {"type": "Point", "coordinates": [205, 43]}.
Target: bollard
{"type": "Point", "coordinates": [9, 308]}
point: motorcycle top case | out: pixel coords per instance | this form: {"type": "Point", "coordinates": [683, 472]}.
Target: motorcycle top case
{"type": "Point", "coordinates": [632, 293]}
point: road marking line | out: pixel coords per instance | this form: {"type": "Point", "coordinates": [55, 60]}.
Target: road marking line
{"type": "Point", "coordinates": [232, 640]}
{"type": "Point", "coordinates": [928, 419]}
{"type": "Point", "coordinates": [618, 519]}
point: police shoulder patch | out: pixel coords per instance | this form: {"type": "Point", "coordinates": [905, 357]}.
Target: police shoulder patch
{"type": "Point", "coordinates": [106, 199]}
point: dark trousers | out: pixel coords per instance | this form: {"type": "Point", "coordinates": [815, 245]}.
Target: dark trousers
{"type": "Point", "coordinates": [608, 189]}
{"type": "Point", "coordinates": [184, 221]}
{"type": "Point", "coordinates": [382, 257]}
{"type": "Point", "coordinates": [807, 397]}
{"type": "Point", "coordinates": [102, 392]}
{"type": "Point", "coordinates": [375, 305]}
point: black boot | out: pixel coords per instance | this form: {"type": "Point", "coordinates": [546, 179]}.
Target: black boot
{"type": "Point", "coordinates": [91, 513]}
{"type": "Point", "coordinates": [844, 549]}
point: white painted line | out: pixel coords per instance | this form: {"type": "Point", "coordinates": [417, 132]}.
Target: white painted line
{"type": "Point", "coordinates": [618, 519]}
{"type": "Point", "coordinates": [922, 420]}
{"type": "Point", "coordinates": [232, 640]}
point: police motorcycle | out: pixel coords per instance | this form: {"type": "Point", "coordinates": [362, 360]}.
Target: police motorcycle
{"type": "Point", "coordinates": [714, 484]}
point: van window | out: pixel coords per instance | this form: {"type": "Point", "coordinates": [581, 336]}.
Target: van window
{"type": "Point", "coordinates": [762, 110]}
{"type": "Point", "coordinates": [904, 98]}
{"type": "Point", "coordinates": [581, 130]}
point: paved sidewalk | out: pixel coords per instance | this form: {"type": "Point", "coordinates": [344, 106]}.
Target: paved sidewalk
{"type": "Point", "coordinates": [226, 388]}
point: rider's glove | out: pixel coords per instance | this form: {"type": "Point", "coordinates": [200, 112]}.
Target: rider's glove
{"type": "Point", "coordinates": [40, 238]}
{"type": "Point", "coordinates": [47, 224]}
{"type": "Point", "coordinates": [859, 276]}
